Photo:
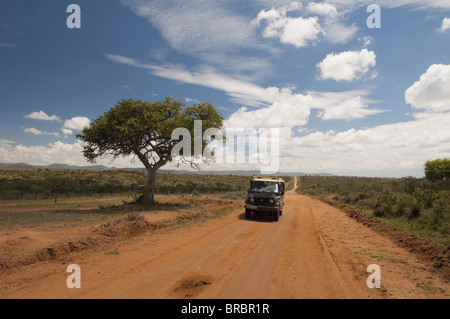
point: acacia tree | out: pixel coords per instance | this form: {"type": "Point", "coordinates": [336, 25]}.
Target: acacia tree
{"type": "Point", "coordinates": [144, 129]}
{"type": "Point", "coordinates": [438, 170]}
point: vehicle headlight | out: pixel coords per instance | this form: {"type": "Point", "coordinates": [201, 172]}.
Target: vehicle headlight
{"type": "Point", "coordinates": [252, 199]}
{"type": "Point", "coordinates": [271, 201]}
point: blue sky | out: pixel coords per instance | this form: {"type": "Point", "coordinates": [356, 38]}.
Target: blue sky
{"type": "Point", "coordinates": [347, 99]}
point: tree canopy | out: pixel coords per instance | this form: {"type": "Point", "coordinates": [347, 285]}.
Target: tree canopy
{"type": "Point", "coordinates": [144, 129]}
{"type": "Point", "coordinates": [438, 170]}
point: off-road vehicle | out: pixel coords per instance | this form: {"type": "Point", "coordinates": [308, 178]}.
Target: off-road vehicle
{"type": "Point", "coordinates": [265, 195]}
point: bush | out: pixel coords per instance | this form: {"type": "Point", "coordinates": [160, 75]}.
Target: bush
{"type": "Point", "coordinates": [426, 197]}
{"type": "Point", "coordinates": [407, 206]}
{"type": "Point", "coordinates": [418, 205]}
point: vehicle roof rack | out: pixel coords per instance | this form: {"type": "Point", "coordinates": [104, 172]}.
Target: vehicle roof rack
{"type": "Point", "coordinates": [268, 178]}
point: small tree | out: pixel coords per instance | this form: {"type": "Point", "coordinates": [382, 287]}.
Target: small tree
{"type": "Point", "coordinates": [438, 170]}
{"type": "Point", "coordinates": [144, 129]}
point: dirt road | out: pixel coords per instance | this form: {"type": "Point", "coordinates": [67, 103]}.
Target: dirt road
{"type": "Point", "coordinates": [314, 251]}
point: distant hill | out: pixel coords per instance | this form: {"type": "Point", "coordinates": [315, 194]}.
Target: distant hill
{"type": "Point", "coordinates": [24, 166]}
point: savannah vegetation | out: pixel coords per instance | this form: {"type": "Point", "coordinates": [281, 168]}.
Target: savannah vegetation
{"type": "Point", "coordinates": [42, 184]}
{"type": "Point", "coordinates": [418, 205]}
{"type": "Point", "coordinates": [45, 184]}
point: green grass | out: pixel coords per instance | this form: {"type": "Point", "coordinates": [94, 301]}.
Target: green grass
{"type": "Point", "coordinates": [377, 258]}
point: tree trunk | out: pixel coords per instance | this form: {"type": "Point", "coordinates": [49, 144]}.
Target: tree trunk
{"type": "Point", "coordinates": [149, 191]}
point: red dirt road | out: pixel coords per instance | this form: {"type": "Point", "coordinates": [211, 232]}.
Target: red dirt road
{"type": "Point", "coordinates": [314, 251]}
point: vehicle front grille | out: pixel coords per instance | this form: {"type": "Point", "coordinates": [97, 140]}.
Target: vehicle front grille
{"type": "Point", "coordinates": [262, 201]}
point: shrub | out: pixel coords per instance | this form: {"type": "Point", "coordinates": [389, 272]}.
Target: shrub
{"type": "Point", "coordinates": [426, 197]}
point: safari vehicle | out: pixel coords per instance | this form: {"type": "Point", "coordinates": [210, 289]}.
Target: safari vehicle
{"type": "Point", "coordinates": [265, 195]}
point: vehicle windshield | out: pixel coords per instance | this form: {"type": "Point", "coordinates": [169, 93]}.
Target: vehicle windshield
{"type": "Point", "coordinates": [264, 187]}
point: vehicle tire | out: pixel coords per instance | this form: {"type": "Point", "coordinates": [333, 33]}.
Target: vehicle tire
{"type": "Point", "coordinates": [248, 213]}
{"type": "Point", "coordinates": [275, 216]}
{"type": "Point", "coordinates": [281, 212]}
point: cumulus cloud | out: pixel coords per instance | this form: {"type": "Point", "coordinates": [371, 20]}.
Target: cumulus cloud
{"type": "Point", "coordinates": [41, 115]}
{"type": "Point", "coordinates": [398, 149]}
{"type": "Point", "coordinates": [35, 131]}
{"type": "Point", "coordinates": [403, 146]}
{"type": "Point", "coordinates": [431, 92]}
{"type": "Point", "coordinates": [445, 25]}
{"type": "Point", "coordinates": [347, 66]}
{"type": "Point", "coordinates": [288, 110]}
{"type": "Point", "coordinates": [312, 22]}
{"type": "Point", "coordinates": [295, 31]}
{"type": "Point", "coordinates": [76, 123]}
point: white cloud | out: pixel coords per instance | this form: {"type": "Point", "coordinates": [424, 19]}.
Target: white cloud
{"type": "Point", "coordinates": [392, 148]}
{"type": "Point", "coordinates": [398, 149]}
{"type": "Point", "coordinates": [445, 25]}
{"type": "Point", "coordinates": [343, 105]}
{"type": "Point", "coordinates": [58, 152]}
{"type": "Point", "coordinates": [288, 110]}
{"type": "Point", "coordinates": [66, 132]}
{"type": "Point", "coordinates": [5, 142]}
{"type": "Point", "coordinates": [212, 31]}
{"type": "Point", "coordinates": [347, 66]}
{"type": "Point", "coordinates": [35, 131]}
{"type": "Point", "coordinates": [314, 20]}
{"type": "Point", "coordinates": [295, 31]}
{"type": "Point", "coordinates": [76, 123]}
{"type": "Point", "coordinates": [322, 9]}
{"type": "Point", "coordinates": [300, 31]}
{"type": "Point", "coordinates": [241, 91]}
{"type": "Point", "coordinates": [420, 4]}
{"type": "Point", "coordinates": [8, 45]}
{"type": "Point", "coordinates": [337, 32]}
{"type": "Point", "coordinates": [416, 4]}
{"type": "Point", "coordinates": [277, 107]}
{"type": "Point", "coordinates": [431, 92]}
{"type": "Point", "coordinates": [366, 41]}
{"type": "Point", "coordinates": [42, 116]}
{"type": "Point", "coordinates": [189, 100]}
